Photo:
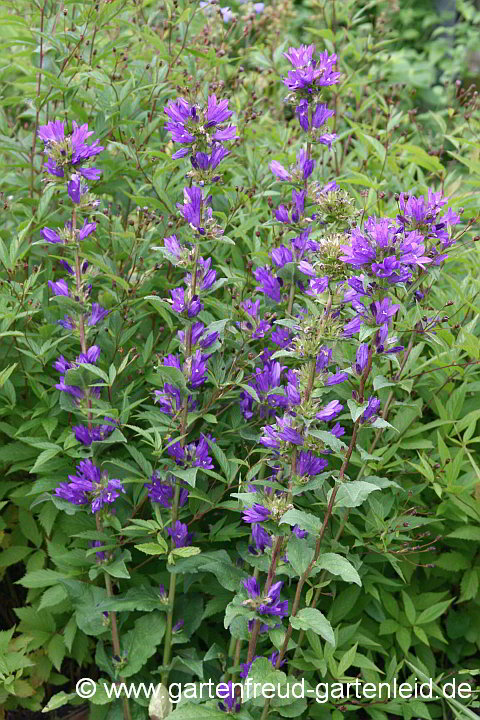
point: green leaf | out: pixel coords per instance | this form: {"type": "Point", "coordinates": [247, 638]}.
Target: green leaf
{"type": "Point", "coordinates": [377, 146]}
{"type": "Point", "coordinates": [404, 639]}
{"type": "Point", "coordinates": [152, 548]}
{"type": "Point", "coordinates": [85, 598]}
{"type": "Point", "coordinates": [356, 410]}
{"type": "Point", "coordinates": [409, 608]}
{"type": "Point", "coordinates": [56, 651]}
{"type": "Point", "coordinates": [58, 700]}
{"type": "Point", "coordinates": [299, 554]}
{"type": "Point", "coordinates": [52, 596]}
{"type": "Point", "coordinates": [304, 520]}
{"type": "Point", "coordinates": [347, 660]}
{"type": "Point", "coordinates": [172, 375]}
{"type": "Point", "coordinates": [41, 578]}
{"type": "Point", "coordinates": [452, 561]}
{"type": "Point", "coordinates": [466, 533]}
{"type": "Point", "coordinates": [117, 568]}
{"type": "Point", "coordinates": [353, 494]}
{"type": "Point", "coordinates": [220, 564]}
{"type": "Point", "coordinates": [138, 598]}
{"type": "Point", "coordinates": [313, 619]}
{"type": "Point", "coordinates": [189, 475]}
{"type": "Point", "coordinates": [419, 156]}
{"type": "Point", "coordinates": [329, 440]}
{"type": "Point", "coordinates": [189, 711]}
{"type": "Point", "coordinates": [188, 551]}
{"type": "Point", "coordinates": [338, 565]}
{"type": "Point", "coordinates": [469, 585]}
{"type": "Point", "coordinates": [233, 610]}
{"type": "Point", "coordinates": [13, 555]}
{"type": "Point", "coordinates": [141, 642]}
{"type": "Point", "coordinates": [160, 704]}
{"type": "Point", "coordinates": [43, 458]}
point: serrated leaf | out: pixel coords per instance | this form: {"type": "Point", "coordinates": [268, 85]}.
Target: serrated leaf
{"type": "Point", "coordinates": [189, 475]}
{"type": "Point", "coordinates": [188, 551]}
{"type": "Point", "coordinates": [313, 619]}
{"type": "Point", "coordinates": [466, 533]}
{"type": "Point", "coordinates": [141, 642]}
{"type": "Point", "coordinates": [304, 520]}
{"type": "Point", "coordinates": [58, 700]}
{"type": "Point", "coordinates": [152, 548]}
{"type": "Point", "coordinates": [40, 578]}
{"type": "Point", "coordinates": [338, 565]}
{"type": "Point", "coordinates": [354, 493]}
{"type": "Point", "coordinates": [330, 440]}
{"type": "Point", "coordinates": [43, 458]}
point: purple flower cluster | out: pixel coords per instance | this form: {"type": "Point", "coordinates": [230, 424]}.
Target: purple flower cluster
{"type": "Point", "coordinates": [256, 327]}
{"type": "Point", "coordinates": [66, 235]}
{"type": "Point", "coordinates": [69, 153]}
{"type": "Point", "coordinates": [299, 173]}
{"type": "Point", "coordinates": [96, 434]}
{"type": "Point", "coordinates": [162, 492]}
{"type": "Point", "coordinates": [230, 700]}
{"type": "Point", "coordinates": [196, 208]}
{"type": "Point", "coordinates": [270, 604]}
{"type": "Point", "coordinates": [194, 454]}
{"type": "Point", "coordinates": [203, 131]}
{"type": "Point", "coordinates": [180, 535]}
{"type": "Point", "coordinates": [90, 486]}
{"type": "Point", "coordinates": [310, 73]}
{"type": "Point", "coordinates": [62, 366]}
{"type": "Point", "coordinates": [263, 382]}
{"type": "Point", "coordinates": [194, 368]}
{"type": "Point", "coordinates": [393, 251]}
{"type": "Point", "coordinates": [305, 81]}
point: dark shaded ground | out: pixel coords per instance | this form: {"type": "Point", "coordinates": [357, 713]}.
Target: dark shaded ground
{"type": "Point", "coordinates": [64, 713]}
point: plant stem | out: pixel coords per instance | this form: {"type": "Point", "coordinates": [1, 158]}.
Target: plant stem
{"type": "Point", "coordinates": [303, 578]}
{"type": "Point", "coordinates": [167, 648]}
{"type": "Point", "coordinates": [81, 317]}
{"type": "Point", "coordinates": [115, 634]}
{"type": "Point", "coordinates": [37, 113]}
{"type": "Point", "coordinates": [270, 577]}
{"type": "Point", "coordinates": [291, 296]}
{"type": "Point", "coordinates": [388, 403]}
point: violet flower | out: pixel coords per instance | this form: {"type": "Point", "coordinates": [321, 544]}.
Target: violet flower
{"type": "Point", "coordinates": [98, 432]}
{"type": "Point", "coordinates": [180, 535]}
{"type": "Point", "coordinates": [163, 492]}
{"type": "Point", "coordinates": [330, 411]}
{"type": "Point", "coordinates": [194, 454]}
{"type": "Point", "coordinates": [256, 514]}
{"type": "Point", "coordinates": [90, 486]}
{"type": "Point", "coordinates": [308, 464]}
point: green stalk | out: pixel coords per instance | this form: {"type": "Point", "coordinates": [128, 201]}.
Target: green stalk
{"type": "Point", "coordinates": [114, 626]}
{"type": "Point", "coordinates": [270, 577]}
{"type": "Point", "coordinates": [303, 578]}
{"type": "Point", "coordinates": [167, 648]}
